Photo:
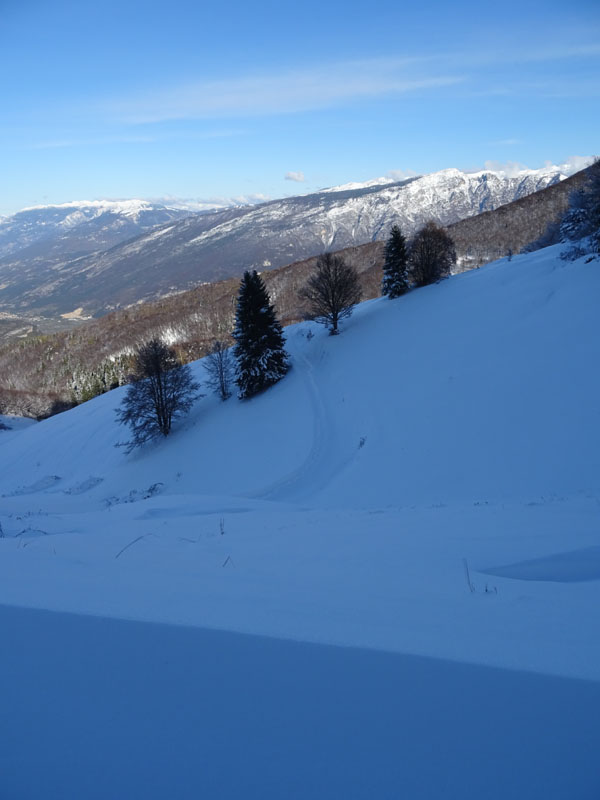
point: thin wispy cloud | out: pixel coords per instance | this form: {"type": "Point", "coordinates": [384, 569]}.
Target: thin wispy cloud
{"type": "Point", "coordinates": [504, 142]}
{"type": "Point", "coordinates": [334, 84]}
{"type": "Point", "coordinates": [531, 54]}
{"type": "Point", "coordinates": [558, 52]}
{"type": "Point", "coordinates": [298, 177]}
{"type": "Point", "coordinates": [54, 144]}
{"type": "Point", "coordinates": [585, 86]}
{"type": "Point", "coordinates": [291, 92]}
{"type": "Point", "coordinates": [99, 141]}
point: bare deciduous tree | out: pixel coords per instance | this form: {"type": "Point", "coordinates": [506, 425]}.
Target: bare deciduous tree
{"type": "Point", "coordinates": [219, 366]}
{"type": "Point", "coordinates": [161, 390]}
{"type": "Point", "coordinates": [432, 255]}
{"type": "Point", "coordinates": [332, 291]}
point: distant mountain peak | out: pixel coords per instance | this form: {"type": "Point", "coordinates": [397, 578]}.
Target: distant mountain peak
{"type": "Point", "coordinates": [132, 206]}
{"type": "Point", "coordinates": [346, 187]}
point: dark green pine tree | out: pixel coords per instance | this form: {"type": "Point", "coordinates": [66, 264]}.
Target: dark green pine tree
{"type": "Point", "coordinates": [259, 349]}
{"type": "Point", "coordinates": [395, 267]}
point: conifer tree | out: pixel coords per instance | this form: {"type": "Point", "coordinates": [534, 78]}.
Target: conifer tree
{"type": "Point", "coordinates": [259, 349]}
{"type": "Point", "coordinates": [395, 267]}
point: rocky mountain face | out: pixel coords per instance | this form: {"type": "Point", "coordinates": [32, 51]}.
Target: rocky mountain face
{"type": "Point", "coordinates": [54, 275]}
{"type": "Point", "coordinates": [49, 233]}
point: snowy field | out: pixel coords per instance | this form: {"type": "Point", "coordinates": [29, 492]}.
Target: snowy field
{"type": "Point", "coordinates": [380, 579]}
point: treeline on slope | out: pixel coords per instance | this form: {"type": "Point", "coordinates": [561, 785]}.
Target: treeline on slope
{"type": "Point", "coordinates": [514, 227]}
{"type": "Point", "coordinates": [44, 374]}
{"type": "Point", "coordinates": [580, 226]}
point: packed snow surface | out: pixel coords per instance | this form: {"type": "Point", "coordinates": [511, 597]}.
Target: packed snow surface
{"type": "Point", "coordinates": [379, 579]}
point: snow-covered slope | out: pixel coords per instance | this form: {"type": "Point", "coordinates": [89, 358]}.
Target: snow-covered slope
{"type": "Point", "coordinates": [474, 396]}
{"type": "Point", "coordinates": [425, 484]}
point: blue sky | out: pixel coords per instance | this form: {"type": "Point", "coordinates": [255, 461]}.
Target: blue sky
{"type": "Point", "coordinates": [146, 99]}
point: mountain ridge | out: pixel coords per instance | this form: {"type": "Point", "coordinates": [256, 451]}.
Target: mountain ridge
{"type": "Point", "coordinates": [197, 248]}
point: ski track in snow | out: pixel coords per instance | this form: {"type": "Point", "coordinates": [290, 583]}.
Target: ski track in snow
{"type": "Point", "coordinates": [320, 466]}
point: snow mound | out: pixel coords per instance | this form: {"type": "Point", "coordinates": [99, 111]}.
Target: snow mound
{"type": "Point", "coordinates": [573, 566]}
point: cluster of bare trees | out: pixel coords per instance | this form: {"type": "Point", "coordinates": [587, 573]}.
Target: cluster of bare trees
{"type": "Point", "coordinates": [334, 288]}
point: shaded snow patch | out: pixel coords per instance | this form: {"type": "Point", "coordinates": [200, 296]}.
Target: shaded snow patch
{"type": "Point", "coordinates": [39, 486]}
{"type": "Point", "coordinates": [569, 567]}
{"type": "Point", "coordinates": [84, 486]}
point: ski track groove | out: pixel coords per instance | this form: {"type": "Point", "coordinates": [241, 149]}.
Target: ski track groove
{"type": "Point", "coordinates": [307, 477]}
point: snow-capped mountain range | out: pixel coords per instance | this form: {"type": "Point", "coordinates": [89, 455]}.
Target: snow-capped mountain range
{"type": "Point", "coordinates": [103, 255]}
{"type": "Point", "coordinates": [81, 226]}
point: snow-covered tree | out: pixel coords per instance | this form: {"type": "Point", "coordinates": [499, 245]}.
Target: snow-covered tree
{"type": "Point", "coordinates": [259, 350]}
{"type": "Point", "coordinates": [581, 223]}
{"type": "Point", "coordinates": [395, 267]}
{"type": "Point", "coordinates": [161, 391]}
{"type": "Point", "coordinates": [332, 291]}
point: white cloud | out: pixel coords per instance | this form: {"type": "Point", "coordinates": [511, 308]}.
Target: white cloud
{"type": "Point", "coordinates": [513, 168]}
{"type": "Point", "coordinates": [295, 176]}
{"type": "Point", "coordinates": [401, 174]}
{"type": "Point", "coordinates": [299, 90]}
{"type": "Point", "coordinates": [575, 163]}
{"type": "Point", "coordinates": [509, 168]}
